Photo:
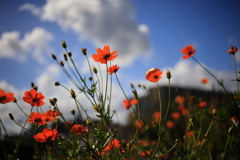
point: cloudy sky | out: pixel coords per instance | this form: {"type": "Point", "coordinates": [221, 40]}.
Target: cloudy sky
{"type": "Point", "coordinates": [146, 35]}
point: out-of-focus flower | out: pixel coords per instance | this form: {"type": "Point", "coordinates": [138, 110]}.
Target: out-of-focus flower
{"type": "Point", "coordinates": [202, 104]}
{"type": "Point", "coordinates": [36, 118]}
{"type": "Point", "coordinates": [103, 56]}
{"type": "Point", "coordinates": [47, 134]}
{"type": "Point", "coordinates": [154, 75]}
{"type": "Point", "coordinates": [156, 117]}
{"type": "Point", "coordinates": [179, 99]}
{"type": "Point", "coordinates": [188, 51]}
{"type": "Point", "coordinates": [6, 97]}
{"type": "Point", "coordinates": [170, 124]}
{"type": "Point", "coordinates": [34, 98]}
{"type": "Point", "coordinates": [113, 144]}
{"type": "Point", "coordinates": [144, 143]}
{"type": "Point", "coordinates": [232, 50]}
{"type": "Point", "coordinates": [53, 113]}
{"type": "Point", "coordinates": [78, 129]}
{"type": "Point", "coordinates": [139, 123]}
{"type": "Point", "coordinates": [145, 154]}
{"type": "Point", "coordinates": [175, 115]}
{"type": "Point", "coordinates": [113, 69]}
{"type": "Point", "coordinates": [128, 104]}
{"type": "Point", "coordinates": [204, 80]}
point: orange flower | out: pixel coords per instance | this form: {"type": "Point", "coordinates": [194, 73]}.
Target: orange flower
{"type": "Point", "coordinates": [170, 124]}
{"type": "Point", "coordinates": [188, 51]}
{"type": "Point", "coordinates": [202, 104]}
{"type": "Point", "coordinates": [113, 69]}
{"type": "Point", "coordinates": [53, 113]}
{"type": "Point", "coordinates": [104, 55]}
{"type": "Point", "coordinates": [128, 104]}
{"type": "Point", "coordinates": [175, 115]}
{"type": "Point", "coordinates": [6, 97]}
{"type": "Point", "coordinates": [179, 99]}
{"type": "Point", "coordinates": [144, 143]}
{"type": "Point", "coordinates": [34, 98]}
{"type": "Point", "coordinates": [47, 134]}
{"type": "Point", "coordinates": [204, 81]}
{"type": "Point", "coordinates": [36, 118]}
{"type": "Point", "coordinates": [47, 117]}
{"type": "Point", "coordinates": [156, 117]}
{"type": "Point", "coordinates": [139, 123]}
{"type": "Point", "coordinates": [232, 50]}
{"type": "Point", "coordinates": [113, 144]}
{"type": "Point", "coordinates": [78, 129]}
{"type": "Point", "coordinates": [145, 154]}
{"type": "Point", "coordinates": [154, 75]}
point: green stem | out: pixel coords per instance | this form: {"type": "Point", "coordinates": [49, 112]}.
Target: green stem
{"type": "Point", "coordinates": [235, 67]}
{"type": "Point", "coordinates": [168, 101]}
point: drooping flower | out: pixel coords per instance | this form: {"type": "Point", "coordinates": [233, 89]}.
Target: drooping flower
{"type": "Point", "coordinates": [128, 103]}
{"type": "Point", "coordinates": [78, 129]}
{"type": "Point", "coordinates": [103, 56]}
{"type": "Point", "coordinates": [232, 50]}
{"type": "Point", "coordinates": [34, 98]}
{"type": "Point", "coordinates": [113, 144]}
{"type": "Point", "coordinates": [154, 75]}
{"type": "Point", "coordinates": [113, 69]}
{"type": "Point", "coordinates": [188, 51]}
{"type": "Point", "coordinates": [204, 81]}
{"type": "Point", "coordinates": [36, 118]}
{"type": "Point", "coordinates": [145, 154]}
{"type": "Point", "coordinates": [6, 97]}
{"type": "Point", "coordinates": [46, 134]}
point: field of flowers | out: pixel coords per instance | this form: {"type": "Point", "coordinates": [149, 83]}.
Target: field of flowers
{"type": "Point", "coordinates": [187, 128]}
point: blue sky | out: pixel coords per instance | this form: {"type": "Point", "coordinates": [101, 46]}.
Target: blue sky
{"type": "Point", "coordinates": [146, 34]}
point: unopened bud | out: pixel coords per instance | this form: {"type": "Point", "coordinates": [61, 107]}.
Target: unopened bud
{"type": "Point", "coordinates": [73, 112]}
{"type": "Point", "coordinates": [56, 83]}
{"type": "Point", "coordinates": [69, 54]}
{"type": "Point", "coordinates": [96, 108]}
{"type": "Point", "coordinates": [139, 85]}
{"type": "Point", "coordinates": [90, 78]}
{"type": "Point", "coordinates": [61, 63]}
{"type": "Point", "coordinates": [84, 51]}
{"type": "Point", "coordinates": [65, 56]}
{"type": "Point", "coordinates": [64, 45]}
{"type": "Point", "coordinates": [32, 84]}
{"type": "Point", "coordinates": [11, 116]}
{"type": "Point", "coordinates": [89, 122]}
{"type": "Point", "coordinates": [131, 85]}
{"type": "Point", "coordinates": [95, 70]}
{"type": "Point", "coordinates": [54, 57]}
{"type": "Point", "coordinates": [144, 87]}
{"type": "Point", "coordinates": [35, 88]}
{"type": "Point", "coordinates": [73, 94]}
{"type": "Point", "coordinates": [57, 119]}
{"type": "Point", "coordinates": [135, 94]}
{"type": "Point", "coordinates": [168, 74]}
{"type": "Point", "coordinates": [53, 101]}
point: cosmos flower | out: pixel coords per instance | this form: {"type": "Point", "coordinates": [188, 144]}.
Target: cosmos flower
{"type": "Point", "coordinates": [78, 129]}
{"type": "Point", "coordinates": [34, 98]}
{"type": "Point", "coordinates": [153, 75]}
{"type": "Point", "coordinates": [113, 144]}
{"type": "Point", "coordinates": [36, 118]}
{"type": "Point", "coordinates": [6, 97]}
{"type": "Point", "coordinates": [113, 69]}
{"type": "Point", "coordinates": [103, 56]}
{"type": "Point", "coordinates": [232, 50]}
{"type": "Point", "coordinates": [188, 51]}
{"type": "Point", "coordinates": [145, 154]}
{"type": "Point", "coordinates": [202, 104]}
{"type": "Point", "coordinates": [46, 134]}
{"type": "Point", "coordinates": [204, 81]}
{"type": "Point", "coordinates": [128, 103]}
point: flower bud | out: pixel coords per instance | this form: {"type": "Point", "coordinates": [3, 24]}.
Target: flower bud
{"type": "Point", "coordinates": [73, 94]}
{"type": "Point", "coordinates": [95, 70]}
{"type": "Point", "coordinates": [69, 54]}
{"type": "Point", "coordinates": [35, 87]}
{"type": "Point", "coordinates": [11, 116]}
{"type": "Point", "coordinates": [57, 119]}
{"type": "Point", "coordinates": [61, 63]}
{"type": "Point", "coordinates": [54, 57]}
{"type": "Point", "coordinates": [90, 78]}
{"type": "Point", "coordinates": [96, 108]}
{"type": "Point", "coordinates": [131, 85]}
{"type": "Point", "coordinates": [53, 101]}
{"type": "Point", "coordinates": [214, 112]}
{"type": "Point", "coordinates": [84, 51]}
{"type": "Point", "coordinates": [64, 45]}
{"type": "Point", "coordinates": [89, 122]}
{"type": "Point", "coordinates": [32, 84]}
{"type": "Point", "coordinates": [168, 74]}
{"type": "Point", "coordinates": [135, 94]}
{"type": "Point", "coordinates": [73, 112]}
{"type": "Point", "coordinates": [65, 56]}
{"type": "Point", "coordinates": [56, 83]}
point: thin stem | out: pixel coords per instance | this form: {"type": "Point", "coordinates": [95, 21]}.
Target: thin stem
{"type": "Point", "coordinates": [21, 109]}
{"type": "Point", "coordinates": [105, 97]}
{"type": "Point", "coordinates": [6, 134]}
{"type": "Point", "coordinates": [225, 147]}
{"type": "Point", "coordinates": [168, 101]}
{"type": "Point", "coordinates": [235, 67]}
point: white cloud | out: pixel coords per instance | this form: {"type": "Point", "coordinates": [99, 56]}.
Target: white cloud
{"type": "Point", "coordinates": [104, 22]}
{"type": "Point", "coordinates": [34, 43]}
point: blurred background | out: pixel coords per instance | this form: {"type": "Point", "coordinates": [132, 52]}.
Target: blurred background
{"type": "Point", "coordinates": [146, 34]}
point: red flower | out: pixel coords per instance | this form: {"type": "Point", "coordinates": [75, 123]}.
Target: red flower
{"type": "Point", "coordinates": [202, 104]}
{"type": "Point", "coordinates": [36, 118]}
{"type": "Point", "coordinates": [188, 51]}
{"type": "Point", "coordinates": [128, 104]}
{"type": "Point", "coordinates": [104, 55]}
{"type": "Point", "coordinates": [53, 113]}
{"type": "Point", "coordinates": [145, 154]}
{"type": "Point", "coordinates": [113, 69]}
{"type": "Point", "coordinates": [232, 50]}
{"type": "Point", "coordinates": [139, 123]}
{"type": "Point", "coordinates": [6, 97]}
{"type": "Point", "coordinates": [113, 144]}
{"type": "Point", "coordinates": [179, 99]}
{"type": "Point", "coordinates": [34, 98]}
{"type": "Point", "coordinates": [78, 129]}
{"type": "Point", "coordinates": [175, 115]}
{"type": "Point", "coordinates": [153, 75]}
{"type": "Point", "coordinates": [47, 117]}
{"type": "Point", "coordinates": [47, 134]}
{"type": "Point", "coordinates": [170, 124]}
{"type": "Point", "coordinates": [204, 81]}
{"type": "Point", "coordinates": [156, 117]}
